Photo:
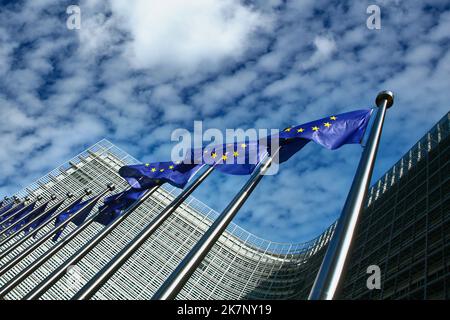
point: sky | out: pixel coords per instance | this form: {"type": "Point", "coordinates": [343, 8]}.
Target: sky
{"type": "Point", "coordinates": [137, 70]}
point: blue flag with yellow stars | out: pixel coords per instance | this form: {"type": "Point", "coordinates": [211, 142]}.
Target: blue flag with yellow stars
{"type": "Point", "coordinates": [239, 158]}
{"type": "Point", "coordinates": [331, 132]}
{"type": "Point", "coordinates": [146, 176]}
{"type": "Point", "coordinates": [63, 216]}
{"type": "Point", "coordinates": [242, 158]}
{"type": "Point", "coordinates": [115, 205]}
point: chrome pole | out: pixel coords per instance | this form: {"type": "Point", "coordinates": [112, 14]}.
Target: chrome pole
{"type": "Point", "coordinates": [74, 259]}
{"type": "Point", "coordinates": [103, 275]}
{"type": "Point", "coordinates": [175, 282]}
{"type": "Point", "coordinates": [11, 263]}
{"type": "Point", "coordinates": [330, 275]}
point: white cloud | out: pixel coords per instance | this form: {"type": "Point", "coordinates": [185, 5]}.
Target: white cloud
{"type": "Point", "coordinates": [325, 47]}
{"type": "Point", "coordinates": [184, 36]}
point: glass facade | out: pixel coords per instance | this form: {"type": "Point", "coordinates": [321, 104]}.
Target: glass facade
{"type": "Point", "coordinates": [404, 230]}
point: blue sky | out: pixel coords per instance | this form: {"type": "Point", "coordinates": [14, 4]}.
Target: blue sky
{"type": "Point", "coordinates": [137, 70]}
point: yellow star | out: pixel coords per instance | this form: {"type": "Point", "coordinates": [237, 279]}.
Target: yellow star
{"type": "Point", "coordinates": [224, 157]}
{"type": "Point", "coordinates": [287, 129]}
{"type": "Point", "coordinates": [243, 146]}
{"type": "Point", "coordinates": [315, 128]}
{"type": "Point", "coordinates": [161, 170]}
{"type": "Point", "coordinates": [333, 118]}
{"type": "Point", "coordinates": [300, 130]}
{"type": "Point", "coordinates": [235, 154]}
{"type": "Point", "coordinates": [153, 169]}
{"type": "Point", "coordinates": [327, 124]}
{"type": "Point", "coordinates": [171, 167]}
{"type": "Point", "coordinates": [147, 164]}
{"type": "Point", "coordinates": [214, 155]}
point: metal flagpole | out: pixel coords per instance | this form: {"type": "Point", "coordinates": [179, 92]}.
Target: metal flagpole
{"type": "Point", "coordinates": [35, 231]}
{"type": "Point", "coordinates": [10, 264]}
{"type": "Point", "coordinates": [330, 274]}
{"type": "Point", "coordinates": [29, 214]}
{"type": "Point", "coordinates": [28, 270]}
{"type": "Point", "coordinates": [74, 259]}
{"type": "Point", "coordinates": [29, 223]}
{"type": "Point", "coordinates": [103, 275]}
{"type": "Point", "coordinates": [16, 214]}
{"type": "Point", "coordinates": [175, 282]}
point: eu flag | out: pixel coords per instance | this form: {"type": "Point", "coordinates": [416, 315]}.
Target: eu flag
{"type": "Point", "coordinates": [331, 132]}
{"type": "Point", "coordinates": [114, 205]}
{"type": "Point", "coordinates": [63, 216]}
{"type": "Point", "coordinates": [242, 158]}
{"type": "Point", "coordinates": [146, 176]}
{"type": "Point", "coordinates": [238, 158]}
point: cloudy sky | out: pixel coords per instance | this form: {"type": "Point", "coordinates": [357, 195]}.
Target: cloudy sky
{"type": "Point", "coordinates": [137, 70]}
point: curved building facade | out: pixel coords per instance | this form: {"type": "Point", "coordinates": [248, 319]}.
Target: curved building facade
{"type": "Point", "coordinates": [239, 266]}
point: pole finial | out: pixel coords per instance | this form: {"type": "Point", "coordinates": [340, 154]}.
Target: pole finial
{"type": "Point", "coordinates": [385, 95]}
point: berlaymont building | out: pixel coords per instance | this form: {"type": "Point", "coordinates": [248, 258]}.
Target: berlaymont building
{"type": "Point", "coordinates": [405, 230]}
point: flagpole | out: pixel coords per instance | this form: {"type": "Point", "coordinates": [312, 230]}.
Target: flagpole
{"type": "Point", "coordinates": [330, 275]}
{"type": "Point", "coordinates": [103, 275]}
{"type": "Point", "coordinates": [29, 223]}
{"type": "Point", "coordinates": [29, 214]}
{"type": "Point", "coordinates": [175, 282]}
{"type": "Point", "coordinates": [11, 263]}
{"type": "Point", "coordinates": [35, 231]}
{"type": "Point", "coordinates": [80, 254]}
